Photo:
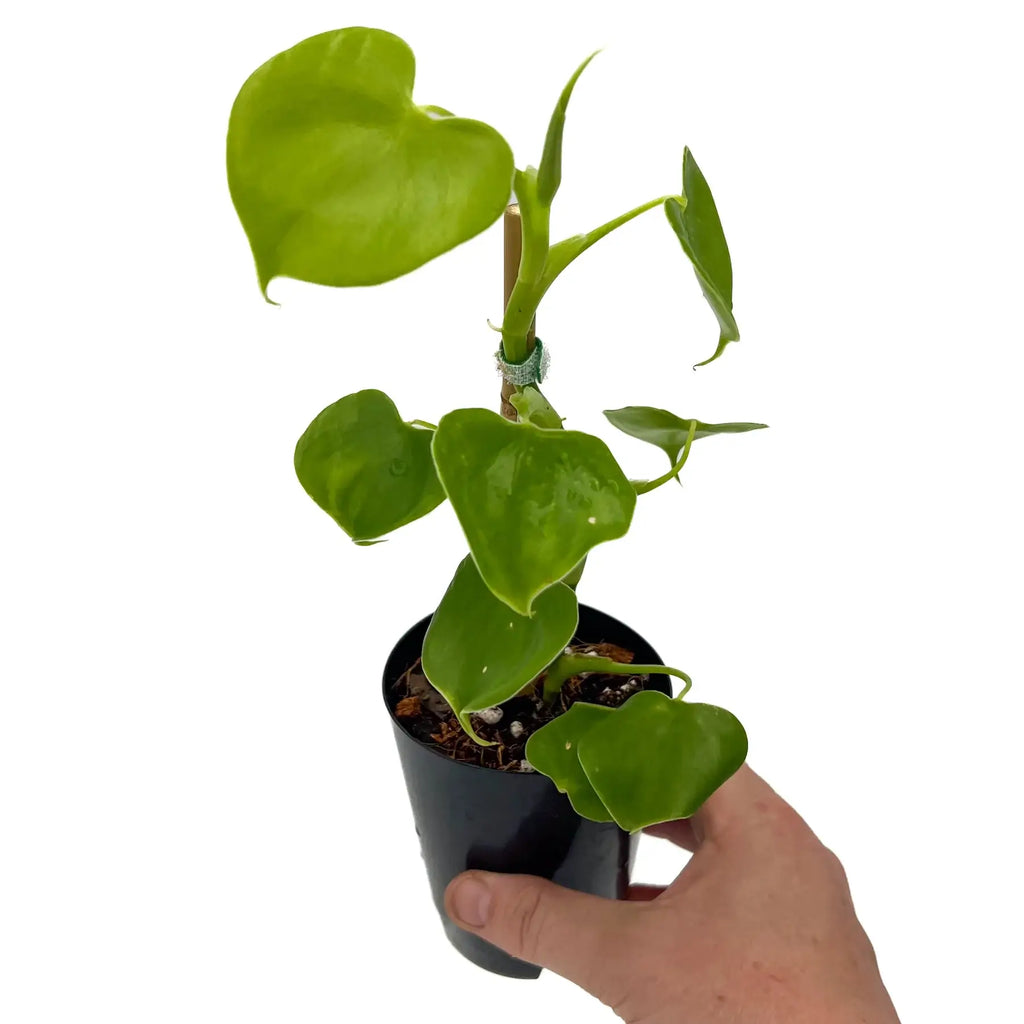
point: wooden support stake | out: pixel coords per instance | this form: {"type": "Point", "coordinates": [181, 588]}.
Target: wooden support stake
{"type": "Point", "coordinates": [513, 256]}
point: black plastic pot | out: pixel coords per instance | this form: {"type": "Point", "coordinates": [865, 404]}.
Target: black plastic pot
{"type": "Point", "coordinates": [472, 817]}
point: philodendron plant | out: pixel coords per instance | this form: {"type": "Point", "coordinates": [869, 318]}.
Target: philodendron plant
{"type": "Point", "coordinates": [341, 179]}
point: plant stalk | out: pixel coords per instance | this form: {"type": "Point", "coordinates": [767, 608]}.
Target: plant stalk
{"type": "Point", "coordinates": [565, 666]}
{"type": "Point", "coordinates": [643, 487]}
{"type": "Point", "coordinates": [513, 260]}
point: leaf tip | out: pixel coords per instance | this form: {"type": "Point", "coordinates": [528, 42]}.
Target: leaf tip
{"type": "Point", "coordinates": [265, 278]}
{"type": "Point", "coordinates": [723, 341]}
{"type": "Point", "coordinates": [467, 726]}
{"type": "Point", "coordinates": [567, 91]}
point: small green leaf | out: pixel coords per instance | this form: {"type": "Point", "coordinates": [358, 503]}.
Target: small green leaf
{"type": "Point", "coordinates": [668, 431]}
{"type": "Point", "coordinates": [478, 652]}
{"type": "Point", "coordinates": [531, 502]}
{"type": "Point", "coordinates": [696, 223]}
{"type": "Point", "coordinates": [534, 408]}
{"type": "Point", "coordinates": [369, 471]}
{"type": "Point", "coordinates": [657, 759]}
{"type": "Point", "coordinates": [549, 174]}
{"type": "Point", "coordinates": [340, 179]}
{"type": "Point", "coordinates": [554, 751]}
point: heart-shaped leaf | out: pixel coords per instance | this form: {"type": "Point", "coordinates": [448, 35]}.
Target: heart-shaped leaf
{"type": "Point", "coordinates": [478, 653]}
{"type": "Point", "coordinates": [668, 431]}
{"type": "Point", "coordinates": [554, 751]}
{"type": "Point", "coordinates": [699, 229]}
{"type": "Point", "coordinates": [532, 502]}
{"type": "Point", "coordinates": [340, 179]}
{"type": "Point", "coordinates": [657, 759]}
{"type": "Point", "coordinates": [369, 471]}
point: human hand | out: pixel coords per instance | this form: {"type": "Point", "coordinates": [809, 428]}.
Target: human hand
{"type": "Point", "coordinates": [759, 927]}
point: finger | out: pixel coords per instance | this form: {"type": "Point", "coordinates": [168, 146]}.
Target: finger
{"type": "Point", "coordinates": [679, 832]}
{"type": "Point", "coordinates": [644, 893]}
{"type": "Point", "coordinates": [571, 933]}
{"type": "Point", "coordinates": [742, 798]}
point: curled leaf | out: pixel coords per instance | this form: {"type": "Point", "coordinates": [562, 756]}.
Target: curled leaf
{"type": "Point", "coordinates": [549, 174]}
{"type": "Point", "coordinates": [694, 219]}
{"type": "Point", "coordinates": [666, 430]}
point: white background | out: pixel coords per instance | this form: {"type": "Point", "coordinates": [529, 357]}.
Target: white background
{"type": "Point", "coordinates": [202, 813]}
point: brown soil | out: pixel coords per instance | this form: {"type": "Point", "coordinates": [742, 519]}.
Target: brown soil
{"type": "Point", "coordinates": [425, 714]}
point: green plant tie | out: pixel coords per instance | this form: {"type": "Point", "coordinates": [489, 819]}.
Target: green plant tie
{"type": "Point", "coordinates": [532, 370]}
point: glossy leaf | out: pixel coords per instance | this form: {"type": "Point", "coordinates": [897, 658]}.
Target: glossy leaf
{"type": "Point", "coordinates": [657, 759]}
{"type": "Point", "coordinates": [699, 230]}
{"type": "Point", "coordinates": [369, 471]}
{"type": "Point", "coordinates": [532, 502]}
{"type": "Point", "coordinates": [554, 751]}
{"type": "Point", "coordinates": [478, 652]}
{"type": "Point", "coordinates": [668, 431]}
{"type": "Point", "coordinates": [340, 179]}
{"type": "Point", "coordinates": [549, 174]}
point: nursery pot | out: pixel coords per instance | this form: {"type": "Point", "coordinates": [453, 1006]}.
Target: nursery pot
{"type": "Point", "coordinates": [471, 817]}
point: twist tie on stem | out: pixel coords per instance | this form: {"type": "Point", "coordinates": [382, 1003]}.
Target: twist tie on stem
{"type": "Point", "coordinates": [532, 370]}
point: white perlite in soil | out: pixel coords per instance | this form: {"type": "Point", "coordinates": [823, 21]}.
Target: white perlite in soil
{"type": "Point", "coordinates": [492, 716]}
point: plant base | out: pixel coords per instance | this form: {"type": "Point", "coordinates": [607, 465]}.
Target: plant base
{"type": "Point", "coordinates": [470, 817]}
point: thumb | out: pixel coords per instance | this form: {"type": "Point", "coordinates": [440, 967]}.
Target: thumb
{"type": "Point", "coordinates": [583, 938]}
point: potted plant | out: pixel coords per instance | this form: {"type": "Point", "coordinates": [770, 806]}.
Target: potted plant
{"type": "Point", "coordinates": [537, 734]}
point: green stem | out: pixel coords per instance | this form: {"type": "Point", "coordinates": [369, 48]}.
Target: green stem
{"type": "Point", "coordinates": [423, 423]}
{"type": "Point", "coordinates": [643, 487]}
{"type": "Point", "coordinates": [542, 262]}
{"type": "Point", "coordinates": [535, 220]}
{"type": "Point", "coordinates": [564, 252]}
{"type": "Point", "coordinates": [565, 666]}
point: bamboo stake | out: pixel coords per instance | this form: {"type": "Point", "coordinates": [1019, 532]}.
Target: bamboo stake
{"type": "Point", "coordinates": [513, 256]}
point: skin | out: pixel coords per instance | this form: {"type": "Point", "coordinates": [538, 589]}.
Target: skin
{"type": "Point", "coordinates": [758, 928]}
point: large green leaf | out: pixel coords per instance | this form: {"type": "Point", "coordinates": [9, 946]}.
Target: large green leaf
{"type": "Point", "coordinates": [340, 179]}
{"type": "Point", "coordinates": [668, 431]}
{"type": "Point", "coordinates": [478, 653]}
{"type": "Point", "coordinates": [657, 759]}
{"type": "Point", "coordinates": [699, 229]}
{"type": "Point", "coordinates": [365, 468]}
{"type": "Point", "coordinates": [549, 174]}
{"type": "Point", "coordinates": [554, 751]}
{"type": "Point", "coordinates": [532, 502]}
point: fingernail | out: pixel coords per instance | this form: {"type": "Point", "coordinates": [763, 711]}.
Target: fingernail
{"type": "Point", "coordinates": [471, 903]}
